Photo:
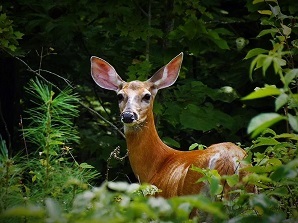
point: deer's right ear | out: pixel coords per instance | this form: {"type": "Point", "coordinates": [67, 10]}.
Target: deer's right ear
{"type": "Point", "coordinates": [104, 74]}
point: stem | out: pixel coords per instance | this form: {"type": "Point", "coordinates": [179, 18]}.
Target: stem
{"type": "Point", "coordinates": [40, 60]}
{"type": "Point", "coordinates": [6, 129]}
{"type": "Point", "coordinates": [6, 182]}
{"type": "Point", "coordinates": [48, 139]}
{"type": "Point", "coordinates": [24, 139]}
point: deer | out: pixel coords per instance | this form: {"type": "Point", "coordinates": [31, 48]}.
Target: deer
{"type": "Point", "coordinates": [153, 161]}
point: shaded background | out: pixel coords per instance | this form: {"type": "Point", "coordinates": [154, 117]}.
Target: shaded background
{"type": "Point", "coordinates": [137, 38]}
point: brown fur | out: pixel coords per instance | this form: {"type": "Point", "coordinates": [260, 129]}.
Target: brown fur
{"type": "Point", "coordinates": [156, 163]}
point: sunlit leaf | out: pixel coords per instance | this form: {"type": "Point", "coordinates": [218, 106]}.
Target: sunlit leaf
{"type": "Point", "coordinates": [293, 120]}
{"type": "Point", "coordinates": [266, 64]}
{"type": "Point", "coordinates": [265, 12]}
{"type": "Point", "coordinates": [259, 123]}
{"type": "Point", "coordinates": [280, 101]}
{"type": "Point", "coordinates": [271, 31]}
{"type": "Point", "coordinates": [290, 75]}
{"type": "Point", "coordinates": [286, 30]}
{"type": "Point", "coordinates": [265, 141]}
{"type": "Point", "coordinates": [86, 166]}
{"type": "Point", "coordinates": [268, 90]}
{"type": "Point", "coordinates": [255, 52]}
{"type": "Point", "coordinates": [197, 146]}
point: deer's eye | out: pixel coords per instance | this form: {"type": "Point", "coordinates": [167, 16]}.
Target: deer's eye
{"type": "Point", "coordinates": [147, 97]}
{"type": "Point", "coordinates": [120, 97]}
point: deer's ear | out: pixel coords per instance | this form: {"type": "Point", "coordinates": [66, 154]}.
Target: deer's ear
{"type": "Point", "coordinates": [167, 75]}
{"type": "Point", "coordinates": [104, 74]}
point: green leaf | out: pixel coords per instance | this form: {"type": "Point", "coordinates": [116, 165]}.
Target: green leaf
{"type": "Point", "coordinates": [268, 90]}
{"type": "Point", "coordinates": [280, 101]}
{"type": "Point", "coordinates": [221, 43]}
{"type": "Point", "coordinates": [171, 142]}
{"type": "Point", "coordinates": [280, 62]}
{"type": "Point", "coordinates": [275, 10]}
{"type": "Point", "coordinates": [266, 64]}
{"type": "Point", "coordinates": [286, 171]}
{"type": "Point", "coordinates": [262, 202]}
{"type": "Point", "coordinates": [259, 123]}
{"type": "Point", "coordinates": [204, 118]}
{"type": "Point", "coordinates": [265, 12]}
{"type": "Point", "coordinates": [232, 180]}
{"type": "Point", "coordinates": [255, 52]}
{"type": "Point", "coordinates": [86, 166]}
{"type": "Point", "coordinates": [272, 31]}
{"type": "Point", "coordinates": [290, 75]}
{"type": "Point", "coordinates": [265, 141]}
{"type": "Point", "coordinates": [197, 146]}
{"type": "Point", "coordinates": [193, 146]}
{"type": "Point", "coordinates": [257, 63]}
{"type": "Point", "coordinates": [215, 186]}
{"type": "Point", "coordinates": [293, 120]}
{"type": "Point", "coordinates": [262, 1]}
{"type": "Point", "coordinates": [279, 191]}
{"type": "Point", "coordinates": [286, 30]}
{"type": "Point", "coordinates": [18, 35]}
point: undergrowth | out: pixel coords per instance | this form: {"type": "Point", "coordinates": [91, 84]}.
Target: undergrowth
{"type": "Point", "coordinates": [47, 168]}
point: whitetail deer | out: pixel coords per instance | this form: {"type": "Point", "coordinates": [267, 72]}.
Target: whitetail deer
{"type": "Point", "coordinates": [153, 161]}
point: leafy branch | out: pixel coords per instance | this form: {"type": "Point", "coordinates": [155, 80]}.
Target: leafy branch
{"type": "Point", "coordinates": [40, 70]}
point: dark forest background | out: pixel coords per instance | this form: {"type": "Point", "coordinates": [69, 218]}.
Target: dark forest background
{"type": "Point", "coordinates": [52, 41]}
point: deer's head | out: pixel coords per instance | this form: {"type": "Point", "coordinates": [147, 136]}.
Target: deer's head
{"type": "Point", "coordinates": [135, 97]}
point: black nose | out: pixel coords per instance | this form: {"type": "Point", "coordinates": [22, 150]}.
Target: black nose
{"type": "Point", "coordinates": [128, 117]}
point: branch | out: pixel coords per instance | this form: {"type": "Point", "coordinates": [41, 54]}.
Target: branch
{"type": "Point", "coordinates": [57, 75]}
{"type": "Point", "coordinates": [68, 83]}
{"type": "Point", "coordinates": [36, 73]}
{"type": "Point", "coordinates": [105, 120]}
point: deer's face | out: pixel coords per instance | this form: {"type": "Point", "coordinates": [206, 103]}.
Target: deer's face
{"type": "Point", "coordinates": [135, 97]}
{"type": "Point", "coordinates": [135, 101]}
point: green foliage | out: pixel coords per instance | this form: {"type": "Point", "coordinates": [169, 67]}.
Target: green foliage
{"type": "Point", "coordinates": [8, 36]}
{"type": "Point", "coordinates": [51, 118]}
{"type": "Point", "coordinates": [10, 175]}
{"type": "Point", "coordinates": [52, 131]}
{"type": "Point", "coordinates": [276, 170]}
{"type": "Point", "coordinates": [126, 203]}
{"type": "Point", "coordinates": [48, 169]}
{"type": "Point", "coordinates": [280, 57]}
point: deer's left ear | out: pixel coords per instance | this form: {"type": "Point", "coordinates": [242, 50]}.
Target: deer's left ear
{"type": "Point", "coordinates": [167, 75]}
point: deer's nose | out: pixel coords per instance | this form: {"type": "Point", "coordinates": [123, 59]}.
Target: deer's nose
{"type": "Point", "coordinates": [128, 117]}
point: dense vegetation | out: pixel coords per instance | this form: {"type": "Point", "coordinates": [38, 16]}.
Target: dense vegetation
{"type": "Point", "coordinates": [61, 135]}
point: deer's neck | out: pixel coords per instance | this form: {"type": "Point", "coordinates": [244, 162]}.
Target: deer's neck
{"type": "Point", "coordinates": [146, 150]}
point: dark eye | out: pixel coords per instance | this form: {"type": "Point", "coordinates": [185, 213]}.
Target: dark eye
{"type": "Point", "coordinates": [120, 97]}
{"type": "Point", "coordinates": [147, 97]}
